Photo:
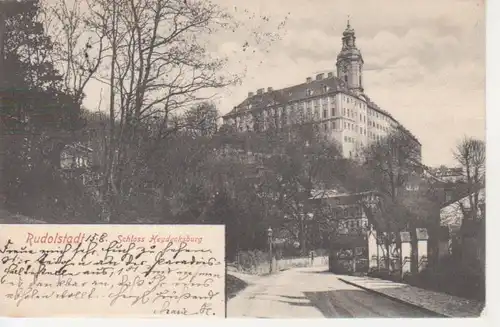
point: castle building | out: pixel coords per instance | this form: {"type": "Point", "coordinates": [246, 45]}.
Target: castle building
{"type": "Point", "coordinates": [336, 103]}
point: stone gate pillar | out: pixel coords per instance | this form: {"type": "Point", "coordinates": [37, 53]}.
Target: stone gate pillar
{"type": "Point", "coordinates": [405, 253]}
{"type": "Point", "coordinates": [372, 250]}
{"type": "Point", "coordinates": [422, 238]}
{"type": "Point", "coordinates": [381, 253]}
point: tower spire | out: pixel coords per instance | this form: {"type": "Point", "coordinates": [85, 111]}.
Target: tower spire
{"type": "Point", "coordinates": [349, 60]}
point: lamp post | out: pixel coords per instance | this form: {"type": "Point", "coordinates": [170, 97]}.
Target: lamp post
{"type": "Point", "coordinates": [270, 240]}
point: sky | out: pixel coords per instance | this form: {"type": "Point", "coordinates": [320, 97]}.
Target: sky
{"type": "Point", "coordinates": [424, 60]}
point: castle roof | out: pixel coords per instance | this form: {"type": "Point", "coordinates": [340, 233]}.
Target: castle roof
{"type": "Point", "coordinates": [290, 94]}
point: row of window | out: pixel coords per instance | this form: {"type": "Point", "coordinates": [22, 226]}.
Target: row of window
{"type": "Point", "coordinates": [352, 114]}
{"type": "Point", "coordinates": [315, 102]}
{"type": "Point", "coordinates": [354, 223]}
{"type": "Point", "coordinates": [374, 136]}
{"type": "Point", "coordinates": [325, 112]}
{"type": "Point", "coordinates": [329, 126]}
{"type": "Point", "coordinates": [352, 127]}
{"type": "Point", "coordinates": [281, 115]}
{"type": "Point", "coordinates": [309, 92]}
{"type": "Point", "coordinates": [357, 103]}
{"type": "Point", "coordinates": [378, 126]}
{"type": "Point", "coordinates": [349, 139]}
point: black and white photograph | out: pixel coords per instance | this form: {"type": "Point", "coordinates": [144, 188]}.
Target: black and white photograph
{"type": "Point", "coordinates": [341, 146]}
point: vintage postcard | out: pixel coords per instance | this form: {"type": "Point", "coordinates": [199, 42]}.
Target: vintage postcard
{"type": "Point", "coordinates": [329, 156]}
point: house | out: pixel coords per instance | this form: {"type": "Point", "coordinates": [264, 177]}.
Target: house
{"type": "Point", "coordinates": [454, 212]}
{"type": "Point", "coordinates": [466, 234]}
{"type": "Point", "coordinates": [75, 156]}
{"type": "Point", "coordinates": [349, 244]}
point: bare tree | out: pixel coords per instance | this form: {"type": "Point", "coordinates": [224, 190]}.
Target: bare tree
{"type": "Point", "coordinates": [154, 62]}
{"type": "Point", "coordinates": [201, 119]}
{"type": "Point", "coordinates": [471, 155]}
{"type": "Point", "coordinates": [78, 50]}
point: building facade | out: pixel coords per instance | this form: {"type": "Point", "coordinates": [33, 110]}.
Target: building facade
{"type": "Point", "coordinates": [336, 103]}
{"type": "Point", "coordinates": [348, 245]}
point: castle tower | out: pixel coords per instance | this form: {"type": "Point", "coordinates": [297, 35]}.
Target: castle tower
{"type": "Point", "coordinates": [350, 61]}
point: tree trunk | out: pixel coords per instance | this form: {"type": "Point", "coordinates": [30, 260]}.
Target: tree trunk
{"type": "Point", "coordinates": [110, 188]}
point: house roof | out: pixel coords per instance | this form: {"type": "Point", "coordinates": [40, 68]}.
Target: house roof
{"type": "Point", "coordinates": [333, 194]}
{"type": "Point", "coordinates": [461, 192]}
{"type": "Point", "coordinates": [79, 146]}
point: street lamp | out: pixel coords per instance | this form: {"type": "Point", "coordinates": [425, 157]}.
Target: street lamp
{"type": "Point", "coordinates": [270, 239]}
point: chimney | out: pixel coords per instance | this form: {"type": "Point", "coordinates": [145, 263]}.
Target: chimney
{"type": "Point", "coordinates": [309, 80]}
{"type": "Point", "coordinates": [319, 77]}
{"type": "Point", "coordinates": [269, 89]}
{"type": "Point", "coordinates": [260, 91]}
{"type": "Point", "coordinates": [250, 94]}
{"type": "Point", "coordinates": [330, 74]}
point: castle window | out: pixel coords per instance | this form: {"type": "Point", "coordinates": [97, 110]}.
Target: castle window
{"type": "Point", "coordinates": [325, 126]}
{"type": "Point", "coordinates": [333, 112]}
{"type": "Point", "coordinates": [325, 112]}
{"type": "Point", "coordinates": [333, 125]}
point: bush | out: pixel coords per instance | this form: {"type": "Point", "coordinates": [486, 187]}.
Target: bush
{"type": "Point", "coordinates": [252, 262]}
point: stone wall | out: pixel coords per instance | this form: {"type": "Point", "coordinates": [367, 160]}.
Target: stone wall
{"type": "Point", "coordinates": [283, 264]}
{"type": "Point", "coordinates": [263, 267]}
